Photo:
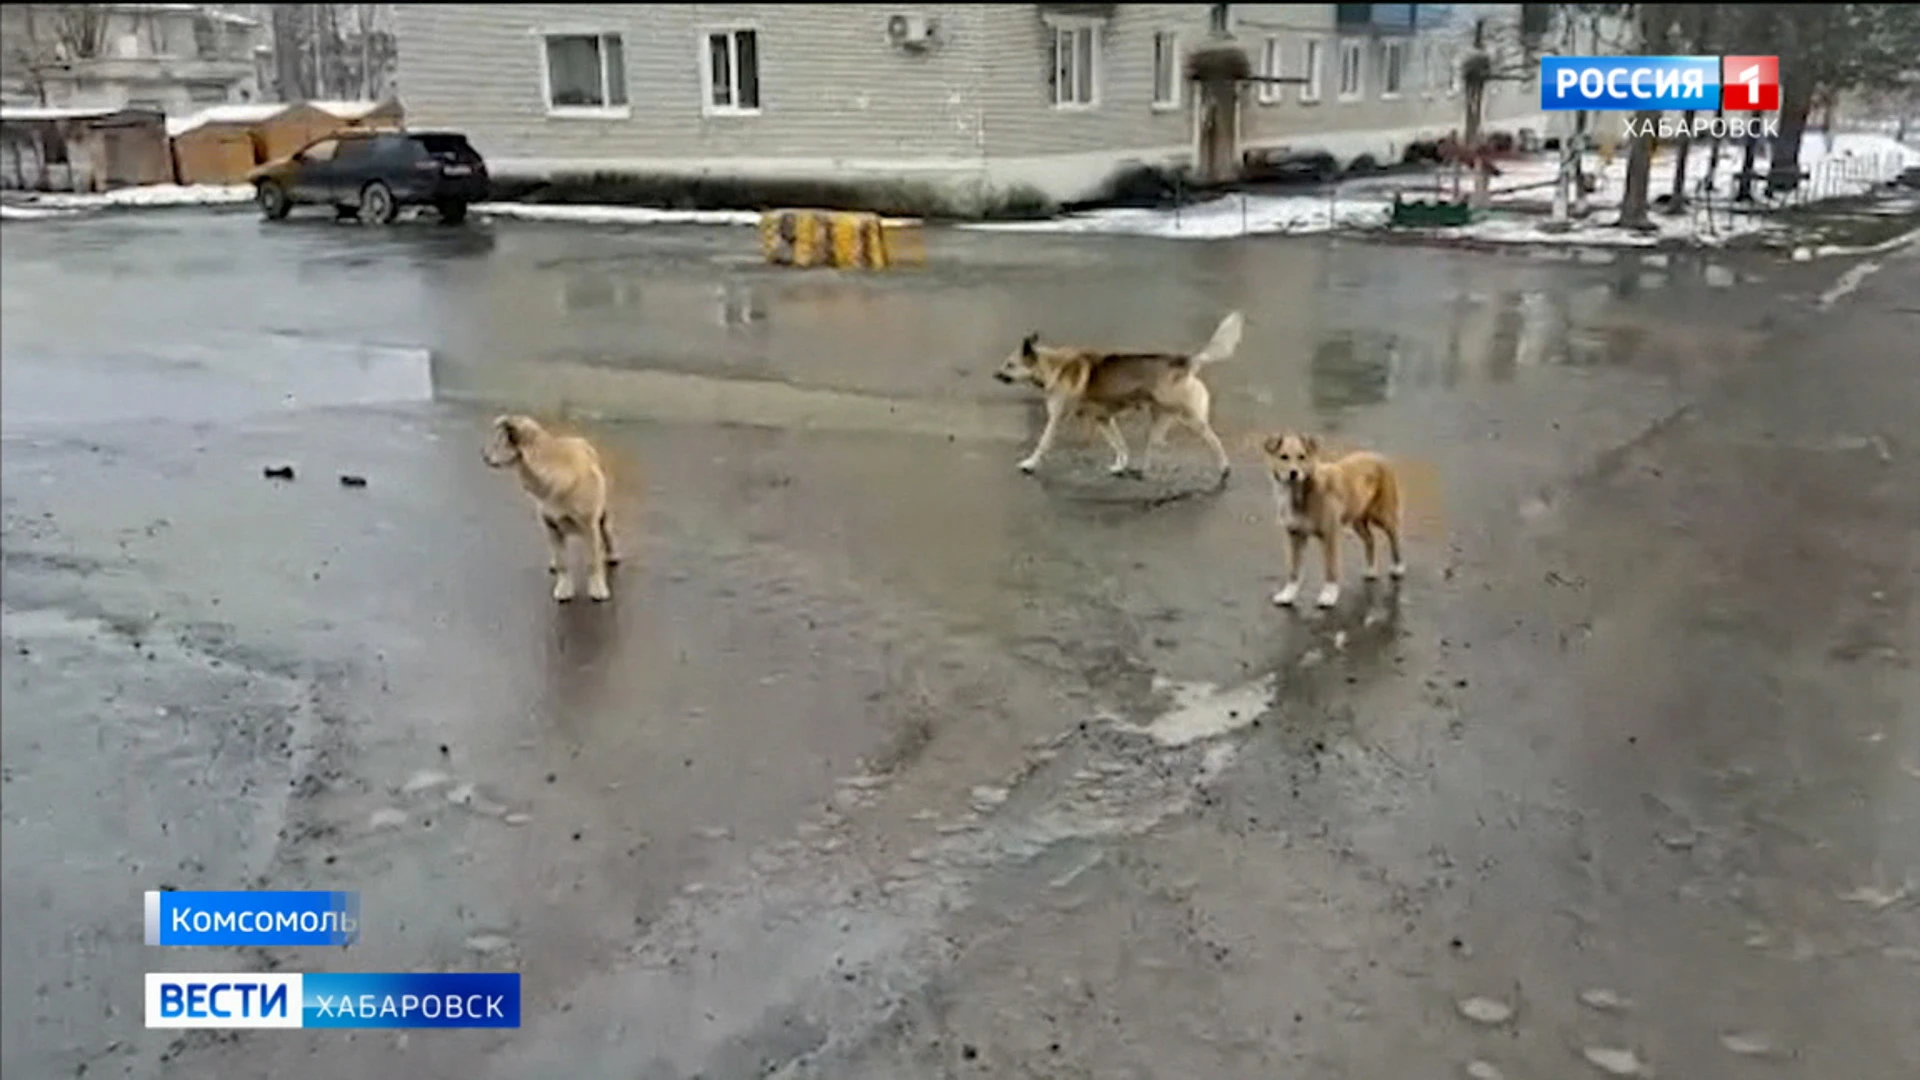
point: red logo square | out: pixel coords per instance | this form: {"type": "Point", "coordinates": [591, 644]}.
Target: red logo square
{"type": "Point", "coordinates": [1749, 83]}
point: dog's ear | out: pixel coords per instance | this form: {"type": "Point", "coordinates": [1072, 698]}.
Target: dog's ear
{"type": "Point", "coordinates": [1312, 443]}
{"type": "Point", "coordinates": [1027, 343]}
{"type": "Point", "coordinates": [1271, 444]}
{"type": "Point", "coordinates": [508, 430]}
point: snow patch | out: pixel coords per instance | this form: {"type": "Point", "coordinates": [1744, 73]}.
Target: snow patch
{"type": "Point", "coordinates": [591, 214]}
{"type": "Point", "coordinates": [31, 213]}
{"type": "Point", "coordinates": [1233, 215]}
{"type": "Point", "coordinates": [150, 195]}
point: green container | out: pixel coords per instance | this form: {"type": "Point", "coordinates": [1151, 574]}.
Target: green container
{"type": "Point", "coordinates": [1438, 214]}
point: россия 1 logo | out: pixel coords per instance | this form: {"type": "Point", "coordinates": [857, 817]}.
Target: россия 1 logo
{"type": "Point", "coordinates": [1660, 83]}
{"type": "Point", "coordinates": [1750, 83]}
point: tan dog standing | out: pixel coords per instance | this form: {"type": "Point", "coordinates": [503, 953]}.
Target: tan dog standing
{"type": "Point", "coordinates": [562, 474]}
{"type": "Point", "coordinates": [1100, 385]}
{"type": "Point", "coordinates": [1318, 499]}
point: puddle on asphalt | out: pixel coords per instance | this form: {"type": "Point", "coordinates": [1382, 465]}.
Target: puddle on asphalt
{"type": "Point", "coordinates": [227, 380]}
{"type": "Point", "coordinates": [1204, 711]}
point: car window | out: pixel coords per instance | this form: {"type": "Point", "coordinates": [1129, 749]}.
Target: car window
{"type": "Point", "coordinates": [321, 151]}
{"type": "Point", "coordinates": [454, 146]}
{"type": "Point", "coordinates": [354, 150]}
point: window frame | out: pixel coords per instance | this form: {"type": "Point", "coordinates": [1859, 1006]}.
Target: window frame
{"type": "Point", "coordinates": [1356, 48]}
{"type": "Point", "coordinates": [1313, 58]}
{"type": "Point", "coordinates": [606, 110]}
{"type": "Point", "coordinates": [1272, 51]}
{"type": "Point", "coordinates": [704, 44]}
{"type": "Point", "coordinates": [1393, 77]}
{"type": "Point", "coordinates": [1091, 27]}
{"type": "Point", "coordinates": [1176, 94]}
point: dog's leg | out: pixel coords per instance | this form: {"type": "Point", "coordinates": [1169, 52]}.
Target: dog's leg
{"type": "Point", "coordinates": [1214, 444]}
{"type": "Point", "coordinates": [1330, 567]}
{"type": "Point", "coordinates": [1056, 412]}
{"type": "Point", "coordinates": [557, 556]}
{"type": "Point", "coordinates": [1365, 529]}
{"type": "Point", "coordinates": [557, 559]}
{"type": "Point", "coordinates": [1399, 567]}
{"type": "Point", "coordinates": [1110, 429]}
{"type": "Point", "coordinates": [1156, 436]}
{"type": "Point", "coordinates": [606, 541]}
{"type": "Point", "coordinates": [597, 588]}
{"type": "Point", "coordinates": [1296, 552]}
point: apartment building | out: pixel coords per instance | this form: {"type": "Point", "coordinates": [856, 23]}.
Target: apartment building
{"type": "Point", "coordinates": [974, 102]}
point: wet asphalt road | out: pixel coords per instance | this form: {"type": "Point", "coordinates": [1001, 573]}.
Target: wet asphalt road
{"type": "Point", "coordinates": [889, 762]}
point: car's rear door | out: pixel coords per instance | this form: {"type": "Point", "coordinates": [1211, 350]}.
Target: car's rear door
{"type": "Point", "coordinates": [353, 167]}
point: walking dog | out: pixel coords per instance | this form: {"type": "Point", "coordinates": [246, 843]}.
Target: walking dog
{"type": "Point", "coordinates": [562, 474]}
{"type": "Point", "coordinates": [1317, 499]}
{"type": "Point", "coordinates": [1098, 385]}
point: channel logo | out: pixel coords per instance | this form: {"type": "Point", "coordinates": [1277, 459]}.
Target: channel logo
{"type": "Point", "coordinates": [333, 1000]}
{"type": "Point", "coordinates": [1660, 83]}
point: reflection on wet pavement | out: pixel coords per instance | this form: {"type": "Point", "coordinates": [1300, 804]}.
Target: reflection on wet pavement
{"type": "Point", "coordinates": [890, 762]}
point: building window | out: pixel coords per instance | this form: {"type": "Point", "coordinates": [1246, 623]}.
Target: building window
{"type": "Point", "coordinates": [1166, 70]}
{"type": "Point", "coordinates": [1310, 90]}
{"type": "Point", "coordinates": [206, 37]}
{"type": "Point", "coordinates": [1076, 52]}
{"type": "Point", "coordinates": [1270, 69]}
{"type": "Point", "coordinates": [1429, 70]}
{"type": "Point", "coordinates": [1351, 56]}
{"type": "Point", "coordinates": [732, 71]}
{"type": "Point", "coordinates": [1394, 62]}
{"type": "Point", "coordinates": [586, 71]}
{"type": "Point", "coordinates": [1220, 19]}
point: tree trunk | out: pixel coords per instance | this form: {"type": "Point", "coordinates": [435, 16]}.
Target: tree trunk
{"type": "Point", "coordinates": [1476, 96]}
{"type": "Point", "coordinates": [1678, 197]}
{"type": "Point", "coordinates": [1743, 185]}
{"type": "Point", "coordinates": [1796, 102]}
{"type": "Point", "coordinates": [1633, 205]}
{"type": "Point", "coordinates": [1713, 157]}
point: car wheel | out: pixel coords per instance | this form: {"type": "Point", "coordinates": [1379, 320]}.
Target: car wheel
{"type": "Point", "coordinates": [377, 205]}
{"type": "Point", "coordinates": [452, 212]}
{"type": "Point", "coordinates": [274, 204]}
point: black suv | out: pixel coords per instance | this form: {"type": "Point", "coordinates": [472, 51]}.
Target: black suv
{"type": "Point", "coordinates": [372, 174]}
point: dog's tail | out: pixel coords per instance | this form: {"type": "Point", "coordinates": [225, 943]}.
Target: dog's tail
{"type": "Point", "coordinates": [1225, 340]}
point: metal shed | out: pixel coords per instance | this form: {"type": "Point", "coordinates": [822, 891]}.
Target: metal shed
{"type": "Point", "coordinates": [63, 149]}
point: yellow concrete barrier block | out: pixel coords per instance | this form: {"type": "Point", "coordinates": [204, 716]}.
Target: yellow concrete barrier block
{"type": "Point", "coordinates": [835, 238]}
{"type": "Point", "coordinates": [905, 242]}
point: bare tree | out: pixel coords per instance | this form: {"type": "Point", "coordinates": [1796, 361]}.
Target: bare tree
{"type": "Point", "coordinates": [1499, 47]}
{"type": "Point", "coordinates": [52, 36]}
{"type": "Point", "coordinates": [332, 50]}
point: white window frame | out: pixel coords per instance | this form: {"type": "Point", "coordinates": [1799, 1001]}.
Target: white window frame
{"type": "Point", "coordinates": [1313, 60]}
{"type": "Point", "coordinates": [1393, 77]}
{"type": "Point", "coordinates": [1357, 49]}
{"type": "Point", "coordinates": [1169, 41]}
{"type": "Point", "coordinates": [705, 54]}
{"type": "Point", "coordinates": [1429, 71]}
{"type": "Point", "coordinates": [1453, 72]}
{"type": "Point", "coordinates": [1270, 66]}
{"type": "Point", "coordinates": [1060, 28]}
{"type": "Point", "coordinates": [584, 112]}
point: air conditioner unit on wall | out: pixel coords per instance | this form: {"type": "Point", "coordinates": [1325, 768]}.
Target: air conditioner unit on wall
{"type": "Point", "coordinates": [910, 31]}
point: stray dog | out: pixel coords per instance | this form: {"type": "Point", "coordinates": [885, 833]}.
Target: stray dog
{"type": "Point", "coordinates": [1319, 498]}
{"type": "Point", "coordinates": [1100, 385]}
{"type": "Point", "coordinates": [563, 476]}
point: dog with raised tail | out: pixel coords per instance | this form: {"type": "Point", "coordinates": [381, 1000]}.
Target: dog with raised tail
{"type": "Point", "coordinates": [1317, 499]}
{"type": "Point", "coordinates": [1099, 385]}
{"type": "Point", "coordinates": [563, 477]}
